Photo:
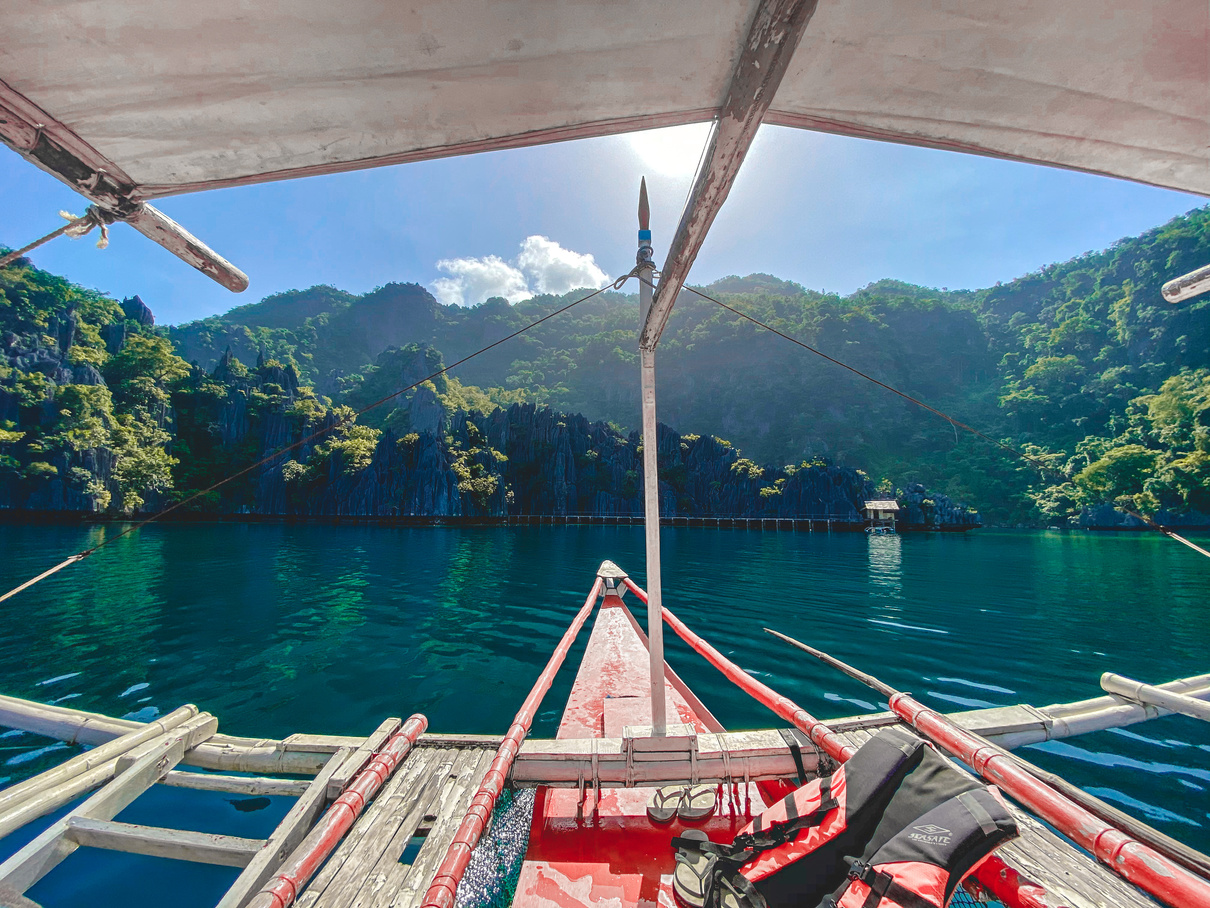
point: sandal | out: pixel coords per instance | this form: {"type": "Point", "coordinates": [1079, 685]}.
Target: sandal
{"type": "Point", "coordinates": [665, 803]}
{"type": "Point", "coordinates": [693, 871]}
{"type": "Point", "coordinates": [698, 803]}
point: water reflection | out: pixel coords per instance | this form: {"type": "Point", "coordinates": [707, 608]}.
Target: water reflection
{"type": "Point", "coordinates": [886, 566]}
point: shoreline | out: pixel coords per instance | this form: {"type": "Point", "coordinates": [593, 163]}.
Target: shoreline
{"type": "Point", "coordinates": [755, 524]}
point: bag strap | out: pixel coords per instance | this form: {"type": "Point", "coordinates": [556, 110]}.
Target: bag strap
{"type": "Point", "coordinates": [747, 846]}
{"type": "Point", "coordinates": [787, 735]}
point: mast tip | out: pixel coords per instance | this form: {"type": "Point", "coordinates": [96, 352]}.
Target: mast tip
{"type": "Point", "coordinates": [644, 207]}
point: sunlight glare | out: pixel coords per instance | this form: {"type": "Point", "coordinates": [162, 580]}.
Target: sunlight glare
{"type": "Point", "coordinates": [672, 151]}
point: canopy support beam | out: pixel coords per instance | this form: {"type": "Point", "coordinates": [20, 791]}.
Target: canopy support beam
{"type": "Point", "coordinates": [56, 149]}
{"type": "Point", "coordinates": [768, 48]}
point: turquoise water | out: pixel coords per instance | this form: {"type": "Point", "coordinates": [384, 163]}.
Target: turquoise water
{"type": "Point", "coordinates": [281, 629]}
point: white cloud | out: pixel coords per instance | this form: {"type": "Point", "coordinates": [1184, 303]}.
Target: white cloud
{"type": "Point", "coordinates": [554, 269]}
{"type": "Point", "coordinates": [542, 264]}
{"type": "Point", "coordinates": [475, 279]}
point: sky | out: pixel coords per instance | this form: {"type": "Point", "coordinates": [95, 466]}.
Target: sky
{"type": "Point", "coordinates": [831, 213]}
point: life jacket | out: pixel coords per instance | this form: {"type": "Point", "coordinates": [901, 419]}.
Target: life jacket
{"type": "Point", "coordinates": [922, 866]}
{"type": "Point", "coordinates": [799, 852]}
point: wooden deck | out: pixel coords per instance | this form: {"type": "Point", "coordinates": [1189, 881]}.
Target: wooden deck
{"type": "Point", "coordinates": [389, 857]}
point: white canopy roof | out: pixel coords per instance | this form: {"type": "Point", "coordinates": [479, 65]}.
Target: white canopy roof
{"type": "Point", "coordinates": [130, 100]}
{"type": "Point", "coordinates": [176, 95]}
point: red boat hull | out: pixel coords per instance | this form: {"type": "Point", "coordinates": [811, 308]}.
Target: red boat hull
{"type": "Point", "coordinates": [609, 852]}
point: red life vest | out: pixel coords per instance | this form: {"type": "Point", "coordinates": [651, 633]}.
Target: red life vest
{"type": "Point", "coordinates": [798, 853]}
{"type": "Point", "coordinates": [923, 865]}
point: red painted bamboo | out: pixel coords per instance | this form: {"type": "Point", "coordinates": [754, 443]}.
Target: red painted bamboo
{"type": "Point", "coordinates": [1131, 859]}
{"type": "Point", "coordinates": [281, 891]}
{"type": "Point", "coordinates": [443, 889]}
{"type": "Point", "coordinates": [832, 743]}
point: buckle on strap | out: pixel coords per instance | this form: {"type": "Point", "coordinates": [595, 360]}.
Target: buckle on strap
{"type": "Point", "coordinates": [859, 870]}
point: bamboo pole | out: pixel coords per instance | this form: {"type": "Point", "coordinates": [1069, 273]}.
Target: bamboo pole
{"type": "Point", "coordinates": [1155, 696]}
{"type": "Point", "coordinates": [443, 889]}
{"type": "Point", "coordinates": [12, 796]}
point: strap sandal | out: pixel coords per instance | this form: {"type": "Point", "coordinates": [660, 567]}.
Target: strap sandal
{"type": "Point", "coordinates": [662, 807]}
{"type": "Point", "coordinates": [698, 804]}
{"type": "Point", "coordinates": [694, 868]}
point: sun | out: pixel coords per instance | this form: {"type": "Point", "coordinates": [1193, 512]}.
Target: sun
{"type": "Point", "coordinates": [673, 151]}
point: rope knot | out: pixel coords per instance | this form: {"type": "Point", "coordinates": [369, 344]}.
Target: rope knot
{"type": "Point", "coordinates": [83, 225]}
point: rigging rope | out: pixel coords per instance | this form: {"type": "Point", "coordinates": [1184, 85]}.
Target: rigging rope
{"type": "Point", "coordinates": [75, 228]}
{"type": "Point", "coordinates": [314, 435]}
{"type": "Point", "coordinates": [957, 424]}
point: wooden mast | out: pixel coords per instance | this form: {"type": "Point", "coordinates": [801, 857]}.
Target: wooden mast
{"type": "Point", "coordinates": [651, 478]}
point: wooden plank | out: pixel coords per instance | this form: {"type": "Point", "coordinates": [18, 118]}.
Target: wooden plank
{"type": "Point", "coordinates": [766, 52]}
{"type": "Point", "coordinates": [285, 838]}
{"type": "Point", "coordinates": [178, 844]}
{"type": "Point", "coordinates": [564, 762]}
{"type": "Point", "coordinates": [319, 743]}
{"type": "Point", "coordinates": [450, 740]}
{"type": "Point", "coordinates": [247, 785]}
{"type": "Point", "coordinates": [41, 855]}
{"type": "Point", "coordinates": [368, 870]}
{"type": "Point", "coordinates": [361, 756]}
{"type": "Point", "coordinates": [1069, 876]}
{"type": "Point", "coordinates": [406, 885]}
{"type": "Point", "coordinates": [190, 734]}
{"type": "Point", "coordinates": [398, 790]}
{"type": "Point", "coordinates": [423, 811]}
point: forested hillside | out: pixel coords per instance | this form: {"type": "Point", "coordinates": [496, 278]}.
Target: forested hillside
{"type": "Point", "coordinates": [1080, 363]}
{"type": "Point", "coordinates": [98, 415]}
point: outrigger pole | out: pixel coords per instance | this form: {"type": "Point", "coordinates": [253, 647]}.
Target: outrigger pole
{"type": "Point", "coordinates": [645, 266]}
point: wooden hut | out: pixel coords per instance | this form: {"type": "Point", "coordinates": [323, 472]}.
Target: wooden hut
{"type": "Point", "coordinates": [880, 516]}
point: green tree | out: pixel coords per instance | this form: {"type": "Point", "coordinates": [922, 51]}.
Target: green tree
{"type": "Point", "coordinates": [1121, 473]}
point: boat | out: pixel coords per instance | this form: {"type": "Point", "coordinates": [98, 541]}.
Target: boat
{"type": "Point", "coordinates": [127, 103]}
{"type": "Point", "coordinates": [363, 802]}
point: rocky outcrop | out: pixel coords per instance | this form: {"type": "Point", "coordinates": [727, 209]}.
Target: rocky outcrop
{"type": "Point", "coordinates": [528, 460]}
{"type": "Point", "coordinates": [929, 510]}
{"type": "Point", "coordinates": [137, 311]}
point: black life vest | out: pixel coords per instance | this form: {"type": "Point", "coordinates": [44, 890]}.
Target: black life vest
{"type": "Point", "coordinates": [829, 841]}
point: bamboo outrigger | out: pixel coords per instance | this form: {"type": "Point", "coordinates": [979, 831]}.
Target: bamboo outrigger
{"type": "Point", "coordinates": [367, 798]}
